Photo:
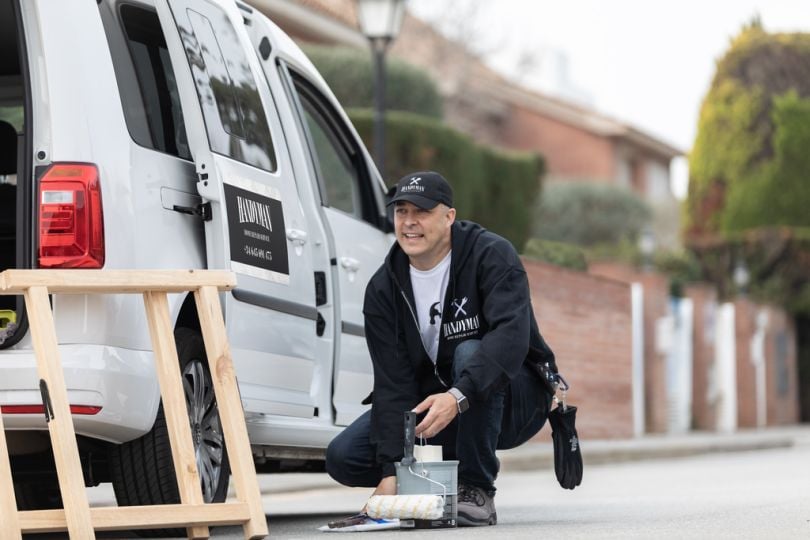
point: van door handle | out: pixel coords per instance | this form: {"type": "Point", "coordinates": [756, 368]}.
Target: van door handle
{"type": "Point", "coordinates": [298, 239]}
{"type": "Point", "coordinates": [351, 265]}
{"type": "Point", "coordinates": [297, 236]}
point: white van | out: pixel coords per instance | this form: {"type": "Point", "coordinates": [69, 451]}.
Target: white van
{"type": "Point", "coordinates": [181, 134]}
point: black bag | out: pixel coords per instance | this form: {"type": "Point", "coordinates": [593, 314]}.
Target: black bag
{"type": "Point", "coordinates": [567, 452]}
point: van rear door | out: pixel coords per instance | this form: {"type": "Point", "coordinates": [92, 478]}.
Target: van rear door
{"type": "Point", "coordinates": [254, 224]}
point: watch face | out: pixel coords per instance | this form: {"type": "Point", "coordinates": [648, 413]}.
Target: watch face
{"type": "Point", "coordinates": [463, 405]}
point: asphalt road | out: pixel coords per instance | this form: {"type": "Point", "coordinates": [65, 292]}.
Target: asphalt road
{"type": "Point", "coordinates": [739, 495]}
{"type": "Point", "coordinates": [762, 494]}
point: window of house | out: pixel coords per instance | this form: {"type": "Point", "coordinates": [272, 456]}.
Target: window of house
{"type": "Point", "coordinates": [235, 119]}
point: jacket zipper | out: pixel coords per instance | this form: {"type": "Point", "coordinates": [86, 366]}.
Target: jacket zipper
{"type": "Point", "coordinates": [416, 322]}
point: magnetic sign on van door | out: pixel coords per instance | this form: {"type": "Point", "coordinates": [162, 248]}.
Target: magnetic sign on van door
{"type": "Point", "coordinates": [256, 232]}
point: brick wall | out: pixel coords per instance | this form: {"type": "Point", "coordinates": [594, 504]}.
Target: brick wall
{"type": "Point", "coordinates": [586, 320]}
{"type": "Point", "coordinates": [745, 313]}
{"type": "Point", "coordinates": [778, 346]}
{"type": "Point", "coordinates": [704, 400]}
{"type": "Point", "coordinates": [656, 306]}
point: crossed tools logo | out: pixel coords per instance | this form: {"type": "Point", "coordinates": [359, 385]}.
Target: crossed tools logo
{"type": "Point", "coordinates": [413, 186]}
{"type": "Point", "coordinates": [459, 307]}
{"type": "Point", "coordinates": [465, 324]}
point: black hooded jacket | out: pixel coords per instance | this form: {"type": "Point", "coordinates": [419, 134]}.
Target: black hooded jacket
{"type": "Point", "coordinates": [487, 299]}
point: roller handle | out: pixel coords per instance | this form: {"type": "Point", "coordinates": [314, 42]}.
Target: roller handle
{"type": "Point", "coordinates": [410, 437]}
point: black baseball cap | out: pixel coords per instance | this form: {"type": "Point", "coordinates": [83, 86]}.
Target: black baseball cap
{"type": "Point", "coordinates": [424, 189]}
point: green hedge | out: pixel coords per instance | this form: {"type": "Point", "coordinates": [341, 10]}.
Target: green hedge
{"type": "Point", "coordinates": [777, 260]}
{"type": "Point", "coordinates": [13, 115]}
{"type": "Point", "coordinates": [565, 255]}
{"type": "Point", "coordinates": [348, 72]}
{"type": "Point", "coordinates": [589, 214]}
{"type": "Point", "coordinates": [494, 188]}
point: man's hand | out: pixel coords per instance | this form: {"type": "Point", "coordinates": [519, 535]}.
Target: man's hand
{"type": "Point", "coordinates": [387, 486]}
{"type": "Point", "coordinates": [442, 408]}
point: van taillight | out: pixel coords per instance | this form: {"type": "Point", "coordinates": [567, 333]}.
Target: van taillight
{"type": "Point", "coordinates": [71, 224]}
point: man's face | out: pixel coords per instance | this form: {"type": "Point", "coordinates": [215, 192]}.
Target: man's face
{"type": "Point", "coordinates": [424, 235]}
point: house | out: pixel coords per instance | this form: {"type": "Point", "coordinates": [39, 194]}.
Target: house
{"type": "Point", "coordinates": [578, 144]}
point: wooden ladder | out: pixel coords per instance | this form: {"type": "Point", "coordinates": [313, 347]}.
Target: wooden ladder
{"type": "Point", "coordinates": [77, 518]}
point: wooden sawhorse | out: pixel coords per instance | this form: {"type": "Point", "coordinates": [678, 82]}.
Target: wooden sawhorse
{"type": "Point", "coordinates": [77, 518]}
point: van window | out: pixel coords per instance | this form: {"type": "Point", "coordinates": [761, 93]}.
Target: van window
{"type": "Point", "coordinates": [157, 102]}
{"type": "Point", "coordinates": [337, 157]}
{"type": "Point", "coordinates": [235, 119]}
{"type": "Point", "coordinates": [339, 176]}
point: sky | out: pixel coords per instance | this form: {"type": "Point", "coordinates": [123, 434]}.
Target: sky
{"type": "Point", "coordinates": [648, 63]}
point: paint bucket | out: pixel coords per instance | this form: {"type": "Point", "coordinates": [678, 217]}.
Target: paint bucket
{"type": "Point", "coordinates": [431, 478]}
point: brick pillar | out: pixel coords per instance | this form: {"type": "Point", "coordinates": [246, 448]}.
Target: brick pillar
{"type": "Point", "coordinates": [745, 326]}
{"type": "Point", "coordinates": [704, 392]}
{"type": "Point", "coordinates": [656, 307]}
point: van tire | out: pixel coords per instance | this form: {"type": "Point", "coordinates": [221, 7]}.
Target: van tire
{"type": "Point", "coordinates": [142, 470]}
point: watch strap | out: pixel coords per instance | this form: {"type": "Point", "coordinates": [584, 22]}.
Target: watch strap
{"type": "Point", "coordinates": [461, 400]}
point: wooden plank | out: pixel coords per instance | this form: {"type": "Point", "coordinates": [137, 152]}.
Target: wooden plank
{"type": "Point", "coordinates": [117, 518]}
{"type": "Point", "coordinates": [231, 415]}
{"type": "Point", "coordinates": [174, 403]}
{"type": "Point", "coordinates": [63, 437]}
{"type": "Point", "coordinates": [10, 528]}
{"type": "Point", "coordinates": [114, 281]}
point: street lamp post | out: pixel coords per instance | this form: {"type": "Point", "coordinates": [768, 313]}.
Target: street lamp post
{"type": "Point", "coordinates": [646, 245]}
{"type": "Point", "coordinates": [741, 277]}
{"type": "Point", "coordinates": [380, 21]}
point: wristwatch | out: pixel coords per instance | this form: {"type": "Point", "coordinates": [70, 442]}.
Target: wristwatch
{"type": "Point", "coordinates": [461, 400]}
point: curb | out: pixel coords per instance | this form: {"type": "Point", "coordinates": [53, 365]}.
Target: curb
{"type": "Point", "coordinates": [539, 455]}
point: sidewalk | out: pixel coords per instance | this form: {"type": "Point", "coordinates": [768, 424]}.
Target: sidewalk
{"type": "Point", "coordinates": [539, 455]}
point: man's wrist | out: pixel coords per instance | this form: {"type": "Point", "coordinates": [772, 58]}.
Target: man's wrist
{"type": "Point", "coordinates": [462, 403]}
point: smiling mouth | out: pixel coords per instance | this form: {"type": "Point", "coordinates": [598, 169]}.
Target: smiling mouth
{"type": "Point", "coordinates": [412, 235]}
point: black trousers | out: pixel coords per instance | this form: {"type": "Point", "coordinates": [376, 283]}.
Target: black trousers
{"type": "Point", "coordinates": [508, 419]}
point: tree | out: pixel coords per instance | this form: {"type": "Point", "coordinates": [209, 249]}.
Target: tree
{"type": "Point", "coordinates": [748, 165]}
{"type": "Point", "coordinates": [749, 192]}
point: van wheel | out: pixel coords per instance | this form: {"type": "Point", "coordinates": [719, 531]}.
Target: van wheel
{"type": "Point", "coordinates": [142, 470]}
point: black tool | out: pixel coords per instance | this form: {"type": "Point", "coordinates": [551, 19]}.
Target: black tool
{"type": "Point", "coordinates": [410, 437]}
{"type": "Point", "coordinates": [47, 406]}
{"type": "Point", "coordinates": [357, 519]}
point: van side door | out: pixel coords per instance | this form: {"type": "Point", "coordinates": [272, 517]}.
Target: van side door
{"type": "Point", "coordinates": [254, 225]}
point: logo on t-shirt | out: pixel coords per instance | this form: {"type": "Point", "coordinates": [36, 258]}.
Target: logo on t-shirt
{"type": "Point", "coordinates": [465, 325]}
{"type": "Point", "coordinates": [434, 312]}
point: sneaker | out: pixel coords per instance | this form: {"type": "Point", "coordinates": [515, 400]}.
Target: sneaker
{"type": "Point", "coordinates": [476, 506]}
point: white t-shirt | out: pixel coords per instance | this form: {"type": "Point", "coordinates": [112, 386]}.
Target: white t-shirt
{"type": "Point", "coordinates": [429, 287]}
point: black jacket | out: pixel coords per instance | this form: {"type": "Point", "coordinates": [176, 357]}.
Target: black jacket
{"type": "Point", "coordinates": [487, 299]}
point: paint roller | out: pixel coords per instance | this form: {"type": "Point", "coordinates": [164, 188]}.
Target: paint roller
{"type": "Point", "coordinates": [411, 506]}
